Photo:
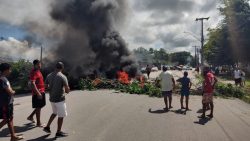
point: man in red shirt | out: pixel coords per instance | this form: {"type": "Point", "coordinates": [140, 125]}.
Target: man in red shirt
{"type": "Point", "coordinates": [208, 90]}
{"type": "Point", "coordinates": [38, 92]}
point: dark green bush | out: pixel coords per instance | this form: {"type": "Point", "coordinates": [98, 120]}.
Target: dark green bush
{"type": "Point", "coordinates": [20, 75]}
{"type": "Point", "coordinates": [229, 90]}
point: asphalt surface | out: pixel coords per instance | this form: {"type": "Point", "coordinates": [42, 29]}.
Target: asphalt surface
{"type": "Point", "coordinates": [109, 116]}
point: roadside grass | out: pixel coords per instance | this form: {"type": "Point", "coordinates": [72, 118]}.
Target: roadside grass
{"type": "Point", "coordinates": [247, 91]}
{"type": "Point", "coordinates": [227, 90]}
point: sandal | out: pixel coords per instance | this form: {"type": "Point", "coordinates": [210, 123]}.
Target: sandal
{"type": "Point", "coordinates": [16, 138]}
{"type": "Point", "coordinates": [31, 119]}
{"type": "Point", "coordinates": [202, 116]}
{"type": "Point", "coordinates": [40, 125]}
{"type": "Point", "coordinates": [211, 116]}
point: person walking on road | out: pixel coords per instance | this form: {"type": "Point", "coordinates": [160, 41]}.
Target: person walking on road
{"type": "Point", "coordinates": [148, 71]}
{"type": "Point", "coordinates": [208, 89]}
{"type": "Point", "coordinates": [167, 86]}
{"type": "Point", "coordinates": [6, 101]}
{"type": "Point", "coordinates": [185, 89]}
{"type": "Point", "coordinates": [237, 77]}
{"type": "Point", "coordinates": [38, 92]}
{"type": "Point", "coordinates": [57, 83]}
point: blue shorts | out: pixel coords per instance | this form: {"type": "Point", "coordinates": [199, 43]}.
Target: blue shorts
{"type": "Point", "coordinates": [185, 93]}
{"type": "Point", "coordinates": [166, 93]}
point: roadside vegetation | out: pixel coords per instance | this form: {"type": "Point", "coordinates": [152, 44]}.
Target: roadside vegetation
{"type": "Point", "coordinates": [20, 76]}
{"type": "Point", "coordinates": [228, 90]}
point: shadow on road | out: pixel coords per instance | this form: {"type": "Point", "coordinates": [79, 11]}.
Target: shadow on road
{"type": "Point", "coordinates": [5, 132]}
{"type": "Point", "coordinates": [203, 121]}
{"type": "Point", "coordinates": [180, 112]}
{"type": "Point", "coordinates": [161, 111]}
{"type": "Point", "coordinates": [200, 111]}
{"type": "Point", "coordinates": [43, 138]}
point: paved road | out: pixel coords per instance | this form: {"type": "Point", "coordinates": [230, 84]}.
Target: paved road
{"type": "Point", "coordinates": [108, 116]}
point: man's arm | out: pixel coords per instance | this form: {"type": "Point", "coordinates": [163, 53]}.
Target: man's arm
{"type": "Point", "coordinates": [47, 82]}
{"type": "Point", "coordinates": [215, 81]}
{"type": "Point", "coordinates": [190, 84]}
{"type": "Point", "coordinates": [9, 90]}
{"type": "Point", "coordinates": [173, 82]}
{"type": "Point", "coordinates": [178, 80]}
{"type": "Point", "coordinates": [33, 85]}
{"type": "Point", "coordinates": [66, 85]}
{"type": "Point", "coordinates": [6, 86]}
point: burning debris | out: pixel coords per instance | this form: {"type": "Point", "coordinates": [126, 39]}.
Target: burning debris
{"type": "Point", "coordinates": [123, 77]}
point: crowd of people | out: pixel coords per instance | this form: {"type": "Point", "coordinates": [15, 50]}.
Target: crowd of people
{"type": "Point", "coordinates": [57, 85]}
{"type": "Point", "coordinates": [168, 85]}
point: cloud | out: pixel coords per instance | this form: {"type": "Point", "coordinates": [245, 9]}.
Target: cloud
{"type": "Point", "coordinates": [162, 23]}
{"type": "Point", "coordinates": [165, 5]}
{"type": "Point", "coordinates": [15, 50]}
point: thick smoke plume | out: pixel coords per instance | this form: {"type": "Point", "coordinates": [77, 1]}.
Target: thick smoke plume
{"type": "Point", "coordinates": [81, 33]}
{"type": "Point", "coordinates": [90, 41]}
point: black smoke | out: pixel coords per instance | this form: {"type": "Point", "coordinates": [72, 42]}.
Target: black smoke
{"type": "Point", "coordinates": [90, 41]}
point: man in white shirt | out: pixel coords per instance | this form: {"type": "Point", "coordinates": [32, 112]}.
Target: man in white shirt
{"type": "Point", "coordinates": [167, 87]}
{"type": "Point", "coordinates": [237, 76]}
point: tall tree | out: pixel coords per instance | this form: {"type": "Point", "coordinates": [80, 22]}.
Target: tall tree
{"type": "Point", "coordinates": [229, 43]}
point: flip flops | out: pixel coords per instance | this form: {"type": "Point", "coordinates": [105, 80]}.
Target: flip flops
{"type": "Point", "coordinates": [16, 138]}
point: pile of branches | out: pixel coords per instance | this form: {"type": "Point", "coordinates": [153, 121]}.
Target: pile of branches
{"type": "Point", "coordinates": [135, 87]}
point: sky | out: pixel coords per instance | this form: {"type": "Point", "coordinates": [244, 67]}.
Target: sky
{"type": "Point", "coordinates": [7, 30]}
{"type": "Point", "coordinates": [168, 24]}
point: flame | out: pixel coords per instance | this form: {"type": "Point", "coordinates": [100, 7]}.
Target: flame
{"type": "Point", "coordinates": [142, 81]}
{"type": "Point", "coordinates": [123, 77]}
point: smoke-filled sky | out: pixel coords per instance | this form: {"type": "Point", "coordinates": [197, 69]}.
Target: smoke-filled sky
{"type": "Point", "coordinates": [149, 23]}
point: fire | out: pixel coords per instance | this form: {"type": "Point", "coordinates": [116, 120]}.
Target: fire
{"type": "Point", "coordinates": [142, 81]}
{"type": "Point", "coordinates": [123, 77]}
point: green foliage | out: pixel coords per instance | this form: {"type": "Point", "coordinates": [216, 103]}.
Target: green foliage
{"type": "Point", "coordinates": [86, 84]}
{"type": "Point", "coordinates": [151, 56]}
{"type": "Point", "coordinates": [228, 90]}
{"type": "Point", "coordinates": [20, 75]}
{"type": "Point", "coordinates": [229, 42]}
{"type": "Point", "coordinates": [133, 88]}
{"type": "Point", "coordinates": [181, 57]}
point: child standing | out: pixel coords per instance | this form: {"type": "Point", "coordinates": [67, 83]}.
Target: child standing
{"type": "Point", "coordinates": [6, 101]}
{"type": "Point", "coordinates": [185, 89]}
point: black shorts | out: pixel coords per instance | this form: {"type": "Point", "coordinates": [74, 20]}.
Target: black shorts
{"type": "Point", "coordinates": [6, 112]}
{"type": "Point", "coordinates": [238, 81]}
{"type": "Point", "coordinates": [38, 103]}
{"type": "Point", "coordinates": [167, 93]}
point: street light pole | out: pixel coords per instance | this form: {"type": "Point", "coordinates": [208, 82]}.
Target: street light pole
{"type": "Point", "coordinates": [41, 55]}
{"type": "Point", "coordinates": [196, 54]}
{"type": "Point", "coordinates": [202, 41]}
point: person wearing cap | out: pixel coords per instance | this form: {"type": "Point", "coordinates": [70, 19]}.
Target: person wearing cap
{"type": "Point", "coordinates": [57, 83]}
{"type": "Point", "coordinates": [167, 86]}
{"type": "Point", "coordinates": [208, 90]}
{"type": "Point", "coordinates": [38, 92]}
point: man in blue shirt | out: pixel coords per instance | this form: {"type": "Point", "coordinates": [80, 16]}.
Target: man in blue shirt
{"type": "Point", "coordinates": [185, 89]}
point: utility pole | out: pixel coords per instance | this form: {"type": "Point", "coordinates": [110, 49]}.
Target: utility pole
{"type": "Point", "coordinates": [202, 41]}
{"type": "Point", "coordinates": [196, 54]}
{"type": "Point", "coordinates": [41, 55]}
